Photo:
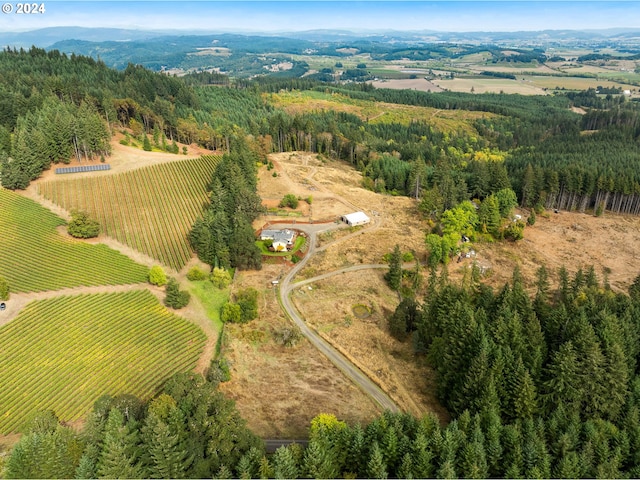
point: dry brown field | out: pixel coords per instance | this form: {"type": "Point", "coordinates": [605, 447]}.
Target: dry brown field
{"type": "Point", "coordinates": [492, 85]}
{"type": "Point", "coordinates": [408, 84]}
{"type": "Point", "coordinates": [279, 389]}
{"type": "Point", "coordinates": [573, 83]}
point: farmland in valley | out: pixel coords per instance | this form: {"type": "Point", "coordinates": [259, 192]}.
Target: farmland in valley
{"type": "Point", "coordinates": [81, 347]}
{"type": "Point", "coordinates": [150, 209]}
{"type": "Point", "coordinates": [35, 257]}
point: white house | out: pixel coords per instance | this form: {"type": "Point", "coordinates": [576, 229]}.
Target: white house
{"type": "Point", "coordinates": [356, 218]}
{"type": "Point", "coordinates": [282, 239]}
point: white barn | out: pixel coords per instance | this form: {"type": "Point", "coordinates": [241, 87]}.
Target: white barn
{"type": "Point", "coordinates": [356, 218]}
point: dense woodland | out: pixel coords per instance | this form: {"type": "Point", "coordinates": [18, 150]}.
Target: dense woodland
{"type": "Point", "coordinates": [223, 237]}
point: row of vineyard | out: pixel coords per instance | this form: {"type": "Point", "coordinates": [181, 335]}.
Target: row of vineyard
{"type": "Point", "coordinates": [64, 353]}
{"type": "Point", "coordinates": [150, 209]}
{"type": "Point", "coordinates": [35, 257]}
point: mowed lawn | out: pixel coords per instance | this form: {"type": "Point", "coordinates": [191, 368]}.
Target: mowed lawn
{"type": "Point", "coordinates": [35, 257]}
{"type": "Point", "coordinates": [64, 353]}
{"type": "Point", "coordinates": [150, 209]}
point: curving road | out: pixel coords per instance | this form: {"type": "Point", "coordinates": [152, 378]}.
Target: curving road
{"type": "Point", "coordinates": [339, 360]}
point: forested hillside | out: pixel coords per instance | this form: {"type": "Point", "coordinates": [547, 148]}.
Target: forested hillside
{"type": "Point", "coordinates": [56, 108]}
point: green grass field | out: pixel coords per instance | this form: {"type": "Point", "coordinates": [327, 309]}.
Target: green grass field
{"type": "Point", "coordinates": [64, 353]}
{"type": "Point", "coordinates": [150, 209]}
{"type": "Point", "coordinates": [35, 257]}
{"type": "Point", "coordinates": [212, 298]}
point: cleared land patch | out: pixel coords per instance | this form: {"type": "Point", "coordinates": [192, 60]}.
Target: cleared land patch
{"type": "Point", "coordinates": [378, 112]}
{"type": "Point", "coordinates": [571, 239]}
{"type": "Point", "coordinates": [150, 209]}
{"type": "Point", "coordinates": [278, 388]}
{"type": "Point", "coordinates": [65, 352]}
{"type": "Point", "coordinates": [328, 307]}
{"type": "Point", "coordinates": [35, 257]}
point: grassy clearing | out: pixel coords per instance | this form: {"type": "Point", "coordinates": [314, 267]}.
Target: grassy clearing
{"type": "Point", "coordinates": [35, 257]}
{"type": "Point", "coordinates": [150, 209]}
{"type": "Point", "coordinates": [212, 298]}
{"type": "Point", "coordinates": [65, 352]}
{"type": "Point", "coordinates": [377, 112]}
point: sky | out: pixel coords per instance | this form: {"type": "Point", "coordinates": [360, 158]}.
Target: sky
{"type": "Point", "coordinates": [295, 15]}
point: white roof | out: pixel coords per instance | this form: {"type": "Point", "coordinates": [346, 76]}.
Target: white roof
{"type": "Point", "coordinates": [356, 217]}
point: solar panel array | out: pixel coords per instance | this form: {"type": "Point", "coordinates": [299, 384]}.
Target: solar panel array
{"type": "Point", "coordinates": [84, 168]}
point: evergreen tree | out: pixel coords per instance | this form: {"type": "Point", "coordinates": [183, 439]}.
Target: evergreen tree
{"type": "Point", "coordinates": [243, 251]}
{"type": "Point", "coordinates": [422, 457]}
{"type": "Point", "coordinates": [523, 392]}
{"type": "Point", "coordinates": [447, 470]}
{"type": "Point", "coordinates": [223, 473]}
{"type": "Point", "coordinates": [120, 456]}
{"type": "Point", "coordinates": [356, 453]}
{"type": "Point", "coordinates": [284, 464]}
{"type": "Point", "coordinates": [376, 467]}
{"type": "Point", "coordinates": [146, 144]}
{"type": "Point", "coordinates": [47, 450]}
{"type": "Point", "coordinates": [489, 215]}
{"type": "Point", "coordinates": [568, 466]}
{"type": "Point", "coordinates": [394, 275]}
{"type": "Point", "coordinates": [563, 384]}
{"type": "Point", "coordinates": [317, 461]}
{"type": "Point", "coordinates": [473, 462]}
{"type": "Point", "coordinates": [168, 457]}
{"type": "Point", "coordinates": [174, 297]}
{"type": "Point", "coordinates": [405, 318]}
{"type": "Point", "coordinates": [406, 467]}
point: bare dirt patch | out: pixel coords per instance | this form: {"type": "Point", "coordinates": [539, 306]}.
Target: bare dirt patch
{"type": "Point", "coordinates": [123, 159]}
{"type": "Point", "coordinates": [279, 389]}
{"type": "Point", "coordinates": [296, 174]}
{"type": "Point", "coordinates": [483, 85]}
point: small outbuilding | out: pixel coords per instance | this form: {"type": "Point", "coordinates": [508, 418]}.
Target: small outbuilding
{"type": "Point", "coordinates": [356, 218]}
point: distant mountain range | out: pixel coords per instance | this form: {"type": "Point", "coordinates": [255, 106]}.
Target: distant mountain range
{"type": "Point", "coordinates": [246, 55]}
{"type": "Point", "coordinates": [47, 37]}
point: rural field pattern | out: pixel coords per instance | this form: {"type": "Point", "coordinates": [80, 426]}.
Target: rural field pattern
{"type": "Point", "coordinates": [150, 209]}
{"type": "Point", "coordinates": [65, 352]}
{"type": "Point", "coordinates": [34, 257]}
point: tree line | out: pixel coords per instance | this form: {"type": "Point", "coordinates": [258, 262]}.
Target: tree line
{"type": "Point", "coordinates": [223, 237]}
